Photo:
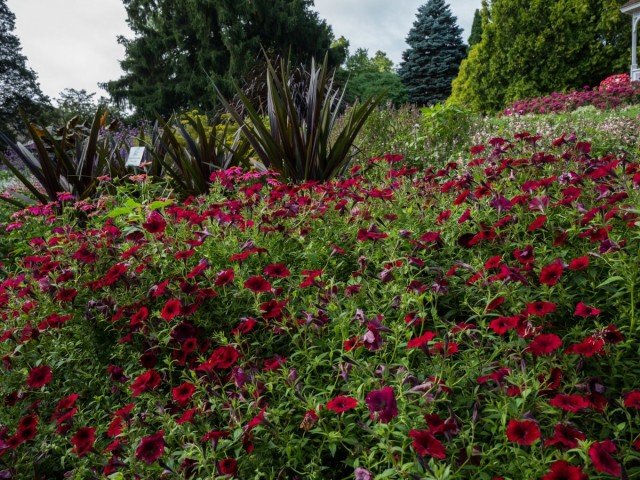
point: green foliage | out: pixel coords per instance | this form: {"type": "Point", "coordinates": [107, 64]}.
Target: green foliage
{"type": "Point", "coordinates": [68, 160]}
{"type": "Point", "coordinates": [180, 44]}
{"type": "Point", "coordinates": [434, 55]}
{"type": "Point", "coordinates": [531, 48]}
{"type": "Point", "coordinates": [476, 29]}
{"type": "Point", "coordinates": [19, 88]}
{"type": "Point", "coordinates": [366, 77]}
{"type": "Point", "coordinates": [303, 140]}
{"type": "Point", "coordinates": [446, 130]}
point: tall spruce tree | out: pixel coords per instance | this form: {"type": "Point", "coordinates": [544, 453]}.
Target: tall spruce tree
{"type": "Point", "coordinates": [19, 88]}
{"type": "Point", "coordinates": [476, 29]}
{"type": "Point", "coordinates": [434, 55]}
{"type": "Point", "coordinates": [533, 47]}
{"type": "Point", "coordinates": [182, 47]}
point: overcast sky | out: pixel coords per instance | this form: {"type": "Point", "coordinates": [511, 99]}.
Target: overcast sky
{"type": "Point", "coordinates": [72, 43]}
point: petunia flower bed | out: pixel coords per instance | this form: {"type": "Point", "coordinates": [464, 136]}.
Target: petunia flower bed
{"type": "Point", "coordinates": [476, 319]}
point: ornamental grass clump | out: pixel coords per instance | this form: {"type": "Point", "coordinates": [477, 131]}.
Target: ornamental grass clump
{"type": "Point", "coordinates": [304, 139]}
{"type": "Point", "coordinates": [67, 162]}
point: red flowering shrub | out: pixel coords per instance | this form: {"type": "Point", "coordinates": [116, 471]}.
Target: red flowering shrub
{"type": "Point", "coordinates": [467, 319]}
{"type": "Point", "coordinates": [614, 92]}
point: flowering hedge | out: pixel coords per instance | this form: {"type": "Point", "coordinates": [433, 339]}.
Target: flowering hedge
{"type": "Point", "coordinates": [471, 320]}
{"type": "Point", "coordinates": [614, 92]}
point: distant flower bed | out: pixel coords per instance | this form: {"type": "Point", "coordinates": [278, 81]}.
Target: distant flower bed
{"type": "Point", "coordinates": [613, 92]}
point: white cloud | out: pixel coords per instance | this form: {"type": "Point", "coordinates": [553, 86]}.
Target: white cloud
{"type": "Point", "coordinates": [73, 43]}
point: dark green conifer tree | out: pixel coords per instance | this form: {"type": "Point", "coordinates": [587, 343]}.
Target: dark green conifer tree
{"type": "Point", "coordinates": [182, 47]}
{"type": "Point", "coordinates": [476, 29]}
{"type": "Point", "coordinates": [19, 88]}
{"type": "Point", "coordinates": [434, 55]}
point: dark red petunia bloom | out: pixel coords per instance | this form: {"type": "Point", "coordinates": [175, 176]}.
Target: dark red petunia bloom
{"type": "Point", "coordinates": [28, 427]}
{"type": "Point", "coordinates": [524, 432]}
{"type": "Point", "coordinates": [545, 344]}
{"type": "Point", "coordinates": [257, 284]}
{"type": "Point", "coordinates": [570, 403]}
{"type": "Point", "coordinates": [225, 277]}
{"type": "Point", "coordinates": [39, 376]}
{"type": "Point", "coordinates": [422, 340]}
{"type": "Point", "coordinates": [580, 263]}
{"type": "Point", "coordinates": [221, 358]}
{"type": "Point", "coordinates": [562, 470]}
{"type": "Point", "coordinates": [276, 270]}
{"type": "Point", "coordinates": [183, 393]}
{"type": "Point", "coordinates": [426, 445]}
{"type": "Point", "coordinates": [228, 466]}
{"type": "Point", "coordinates": [272, 309]}
{"type": "Point", "coordinates": [502, 325]}
{"type": "Point", "coordinates": [600, 453]}
{"type": "Point", "coordinates": [565, 437]}
{"type": "Point", "coordinates": [151, 448]}
{"type": "Point", "coordinates": [550, 274]}
{"type": "Point", "coordinates": [539, 222]}
{"type": "Point", "coordinates": [632, 400]}
{"type": "Point", "coordinates": [589, 347]}
{"type": "Point", "coordinates": [146, 381]}
{"type": "Point", "coordinates": [382, 404]}
{"type": "Point", "coordinates": [539, 308]}
{"type": "Point", "coordinates": [171, 309]}
{"type": "Point", "coordinates": [83, 440]}
{"type": "Point", "coordinates": [155, 223]}
{"type": "Point", "coordinates": [584, 311]}
{"type": "Point", "coordinates": [342, 404]}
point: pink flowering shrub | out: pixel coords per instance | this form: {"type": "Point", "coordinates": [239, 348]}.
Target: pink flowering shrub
{"type": "Point", "coordinates": [477, 317]}
{"type": "Point", "coordinates": [614, 92]}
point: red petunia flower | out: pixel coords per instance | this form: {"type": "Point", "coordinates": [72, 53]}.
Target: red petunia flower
{"type": "Point", "coordinates": [28, 427]}
{"type": "Point", "coordinates": [570, 403]}
{"type": "Point", "coordinates": [565, 437]}
{"type": "Point", "coordinates": [146, 381]}
{"type": "Point", "coordinates": [225, 277]}
{"type": "Point", "coordinates": [276, 270]}
{"type": "Point", "coordinates": [427, 445]}
{"type": "Point", "coordinates": [537, 223]}
{"type": "Point", "coordinates": [183, 393]}
{"type": "Point", "coordinates": [257, 284]}
{"type": "Point", "coordinates": [83, 440]}
{"type": "Point", "coordinates": [221, 358]}
{"type": "Point", "coordinates": [382, 404]}
{"type": "Point", "coordinates": [171, 309]}
{"type": "Point", "coordinates": [545, 344]}
{"type": "Point", "coordinates": [228, 466]}
{"type": "Point", "coordinates": [540, 308]}
{"type": "Point", "coordinates": [550, 274]}
{"type": "Point", "coordinates": [600, 453]}
{"type": "Point", "coordinates": [39, 376]}
{"type": "Point", "coordinates": [580, 263]}
{"type": "Point", "coordinates": [342, 404]}
{"type": "Point", "coordinates": [502, 325]}
{"type": "Point", "coordinates": [584, 311]}
{"type": "Point", "coordinates": [632, 400]}
{"type": "Point", "coordinates": [151, 447]}
{"type": "Point", "coordinates": [272, 309]}
{"type": "Point", "coordinates": [155, 223]}
{"type": "Point", "coordinates": [524, 432]}
{"type": "Point", "coordinates": [562, 470]}
{"type": "Point", "coordinates": [589, 347]}
{"type": "Point", "coordinates": [421, 340]}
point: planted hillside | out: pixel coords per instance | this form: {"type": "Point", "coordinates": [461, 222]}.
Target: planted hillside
{"type": "Point", "coordinates": [466, 319]}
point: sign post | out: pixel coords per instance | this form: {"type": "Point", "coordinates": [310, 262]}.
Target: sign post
{"type": "Point", "coordinates": [136, 155]}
